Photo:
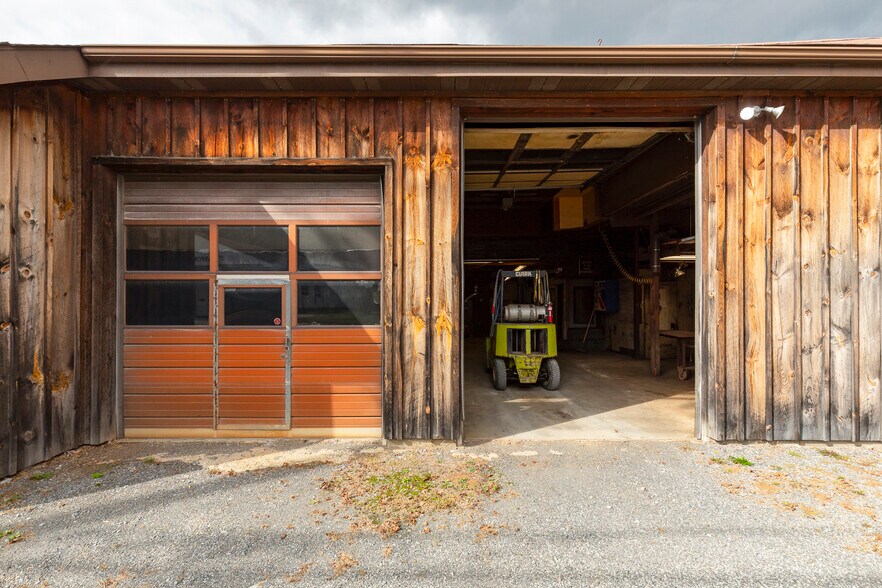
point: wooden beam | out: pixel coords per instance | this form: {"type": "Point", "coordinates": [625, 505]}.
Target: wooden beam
{"type": "Point", "coordinates": [567, 155]}
{"type": "Point", "coordinates": [513, 156]}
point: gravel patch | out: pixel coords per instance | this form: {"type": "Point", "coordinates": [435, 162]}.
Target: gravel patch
{"type": "Point", "coordinates": [254, 513]}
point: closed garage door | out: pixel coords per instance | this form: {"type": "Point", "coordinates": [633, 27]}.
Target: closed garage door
{"type": "Point", "coordinates": [252, 305]}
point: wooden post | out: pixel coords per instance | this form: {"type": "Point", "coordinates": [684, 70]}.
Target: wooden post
{"type": "Point", "coordinates": [637, 301]}
{"type": "Point", "coordinates": [654, 301]}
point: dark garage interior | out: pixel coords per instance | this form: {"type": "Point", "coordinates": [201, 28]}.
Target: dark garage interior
{"type": "Point", "coordinates": [607, 209]}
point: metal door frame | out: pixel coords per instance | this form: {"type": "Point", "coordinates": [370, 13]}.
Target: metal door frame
{"type": "Point", "coordinates": [246, 280]}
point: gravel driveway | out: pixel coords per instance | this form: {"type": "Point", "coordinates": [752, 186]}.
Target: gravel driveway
{"type": "Point", "coordinates": [566, 513]}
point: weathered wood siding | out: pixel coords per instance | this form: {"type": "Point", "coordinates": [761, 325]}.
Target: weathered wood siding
{"type": "Point", "coordinates": [791, 225]}
{"type": "Point", "coordinates": [791, 271]}
{"type": "Point", "coordinates": [58, 283]}
{"type": "Point", "coordinates": [421, 222]}
{"type": "Point", "coordinates": [41, 207]}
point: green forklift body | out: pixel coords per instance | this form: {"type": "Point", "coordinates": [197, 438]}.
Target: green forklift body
{"type": "Point", "coordinates": [524, 346]}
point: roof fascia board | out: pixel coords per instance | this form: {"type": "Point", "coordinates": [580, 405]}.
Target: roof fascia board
{"type": "Point", "coordinates": [440, 70]}
{"type": "Point", "coordinates": [21, 64]}
{"type": "Point", "coordinates": [692, 54]}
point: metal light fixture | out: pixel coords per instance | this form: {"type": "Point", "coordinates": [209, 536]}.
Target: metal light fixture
{"type": "Point", "coordinates": [751, 112]}
{"type": "Point", "coordinates": [680, 270]}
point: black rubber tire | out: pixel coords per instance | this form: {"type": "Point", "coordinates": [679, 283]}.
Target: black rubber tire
{"type": "Point", "coordinates": [500, 374]}
{"type": "Point", "coordinates": [551, 371]}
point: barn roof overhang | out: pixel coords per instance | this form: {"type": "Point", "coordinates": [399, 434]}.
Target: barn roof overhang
{"type": "Point", "coordinates": [838, 64]}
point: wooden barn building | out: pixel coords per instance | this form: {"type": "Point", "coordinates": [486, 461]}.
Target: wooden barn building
{"type": "Point", "coordinates": [302, 241]}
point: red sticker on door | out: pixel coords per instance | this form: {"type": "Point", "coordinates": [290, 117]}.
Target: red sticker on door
{"type": "Point", "coordinates": [277, 321]}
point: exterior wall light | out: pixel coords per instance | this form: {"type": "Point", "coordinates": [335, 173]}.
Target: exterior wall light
{"type": "Point", "coordinates": [751, 112]}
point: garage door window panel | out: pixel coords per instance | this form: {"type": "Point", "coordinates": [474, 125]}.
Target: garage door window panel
{"type": "Point", "coordinates": [183, 303]}
{"type": "Point", "coordinates": [167, 248]}
{"type": "Point", "coordinates": [338, 248]}
{"type": "Point", "coordinates": [252, 248]}
{"type": "Point", "coordinates": [338, 302]}
{"type": "Point", "coordinates": [253, 307]}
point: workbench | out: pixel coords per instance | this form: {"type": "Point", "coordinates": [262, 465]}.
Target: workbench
{"type": "Point", "coordinates": [685, 351]}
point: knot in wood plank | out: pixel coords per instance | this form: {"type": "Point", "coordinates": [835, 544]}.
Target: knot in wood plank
{"type": "Point", "coordinates": [36, 376]}
{"type": "Point", "coordinates": [443, 161]}
{"type": "Point", "coordinates": [59, 381]}
{"type": "Point", "coordinates": [415, 158]}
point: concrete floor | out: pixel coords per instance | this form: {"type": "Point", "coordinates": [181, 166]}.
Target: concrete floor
{"type": "Point", "coordinates": [603, 396]}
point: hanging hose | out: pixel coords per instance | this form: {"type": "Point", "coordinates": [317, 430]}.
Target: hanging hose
{"type": "Point", "coordinates": [628, 276]}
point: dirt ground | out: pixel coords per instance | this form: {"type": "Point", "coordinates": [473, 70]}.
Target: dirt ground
{"type": "Point", "coordinates": [504, 513]}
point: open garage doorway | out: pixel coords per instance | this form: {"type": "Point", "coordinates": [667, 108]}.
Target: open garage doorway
{"type": "Point", "coordinates": [605, 212]}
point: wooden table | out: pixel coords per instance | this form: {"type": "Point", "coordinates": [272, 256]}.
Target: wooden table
{"type": "Point", "coordinates": [685, 360]}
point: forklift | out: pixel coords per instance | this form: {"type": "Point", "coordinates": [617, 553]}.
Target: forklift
{"type": "Point", "coordinates": [522, 345]}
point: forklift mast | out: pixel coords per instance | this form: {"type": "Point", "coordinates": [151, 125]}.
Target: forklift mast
{"type": "Point", "coordinates": [538, 302]}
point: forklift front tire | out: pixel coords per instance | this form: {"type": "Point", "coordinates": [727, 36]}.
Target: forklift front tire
{"type": "Point", "coordinates": [551, 371]}
{"type": "Point", "coordinates": [500, 375]}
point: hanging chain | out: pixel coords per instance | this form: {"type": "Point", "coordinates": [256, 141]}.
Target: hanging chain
{"type": "Point", "coordinates": [612, 254]}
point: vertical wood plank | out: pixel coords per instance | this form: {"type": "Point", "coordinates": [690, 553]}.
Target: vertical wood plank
{"type": "Point", "coordinates": [456, 358]}
{"type": "Point", "coordinates": [29, 188]}
{"type": "Point", "coordinates": [125, 138]}
{"type": "Point", "coordinates": [7, 398]}
{"type": "Point", "coordinates": [713, 276]}
{"type": "Point", "coordinates": [414, 337]}
{"type": "Point", "coordinates": [785, 274]}
{"type": "Point", "coordinates": [94, 114]}
{"type": "Point", "coordinates": [155, 126]}
{"type": "Point", "coordinates": [735, 408]}
{"type": "Point", "coordinates": [301, 127]}
{"type": "Point", "coordinates": [756, 269]}
{"type": "Point", "coordinates": [868, 121]}
{"type": "Point", "coordinates": [331, 127]}
{"type": "Point", "coordinates": [63, 270]}
{"type": "Point", "coordinates": [103, 321]}
{"type": "Point", "coordinates": [814, 260]}
{"type": "Point", "coordinates": [719, 178]}
{"type": "Point", "coordinates": [214, 132]}
{"type": "Point", "coordinates": [843, 270]}
{"type": "Point", "coordinates": [359, 128]}
{"type": "Point", "coordinates": [184, 127]}
{"type": "Point", "coordinates": [243, 128]}
{"type": "Point", "coordinates": [387, 122]}
{"type": "Point", "coordinates": [273, 114]}
{"type": "Point", "coordinates": [444, 322]}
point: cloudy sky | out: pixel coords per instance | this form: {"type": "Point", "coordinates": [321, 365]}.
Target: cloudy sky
{"type": "Point", "coordinates": [526, 22]}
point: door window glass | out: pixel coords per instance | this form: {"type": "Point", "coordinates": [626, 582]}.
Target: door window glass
{"type": "Point", "coordinates": [253, 307]}
{"type": "Point", "coordinates": [351, 248]}
{"type": "Point", "coordinates": [167, 302]}
{"type": "Point", "coordinates": [338, 302]}
{"type": "Point", "coordinates": [252, 249]}
{"type": "Point", "coordinates": [167, 248]}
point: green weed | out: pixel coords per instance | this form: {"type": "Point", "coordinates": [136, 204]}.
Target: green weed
{"type": "Point", "coordinates": [11, 535]}
{"type": "Point", "coordinates": [833, 454]}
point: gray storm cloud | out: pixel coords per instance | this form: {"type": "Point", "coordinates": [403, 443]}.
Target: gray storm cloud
{"type": "Point", "coordinates": [537, 22]}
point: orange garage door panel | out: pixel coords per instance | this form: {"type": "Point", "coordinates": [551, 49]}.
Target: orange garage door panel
{"type": "Point", "coordinates": [338, 380]}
